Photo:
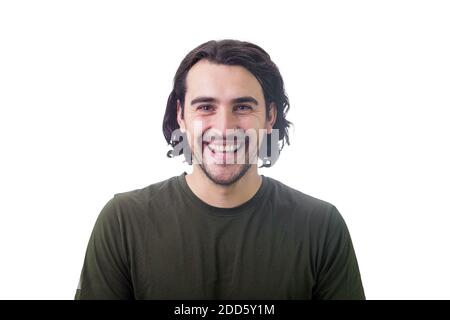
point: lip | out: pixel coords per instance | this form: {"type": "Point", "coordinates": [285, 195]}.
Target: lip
{"type": "Point", "coordinates": [223, 158]}
{"type": "Point", "coordinates": [214, 146]}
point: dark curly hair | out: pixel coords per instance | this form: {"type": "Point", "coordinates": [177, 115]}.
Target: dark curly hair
{"type": "Point", "coordinates": [233, 53]}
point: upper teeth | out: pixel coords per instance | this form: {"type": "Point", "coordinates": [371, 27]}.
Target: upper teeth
{"type": "Point", "coordinates": [222, 148]}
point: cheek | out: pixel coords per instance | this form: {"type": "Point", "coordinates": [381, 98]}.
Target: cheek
{"type": "Point", "coordinates": [195, 131]}
{"type": "Point", "coordinates": [252, 121]}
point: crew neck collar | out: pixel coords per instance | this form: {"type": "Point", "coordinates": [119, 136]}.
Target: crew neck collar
{"type": "Point", "coordinates": [218, 211]}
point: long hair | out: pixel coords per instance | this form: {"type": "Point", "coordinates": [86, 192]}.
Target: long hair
{"type": "Point", "coordinates": [232, 53]}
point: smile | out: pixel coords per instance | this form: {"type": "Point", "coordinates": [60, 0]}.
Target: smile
{"type": "Point", "coordinates": [227, 148]}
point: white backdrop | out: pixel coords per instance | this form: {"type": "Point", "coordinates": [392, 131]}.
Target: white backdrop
{"type": "Point", "coordinates": [83, 88]}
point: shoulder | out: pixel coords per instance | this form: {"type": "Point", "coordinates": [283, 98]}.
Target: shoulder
{"type": "Point", "coordinates": [296, 199]}
{"type": "Point", "coordinates": [143, 196]}
{"type": "Point", "coordinates": [134, 205]}
{"type": "Point", "coordinates": [301, 207]}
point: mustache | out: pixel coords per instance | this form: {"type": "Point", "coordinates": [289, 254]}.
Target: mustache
{"type": "Point", "coordinates": [217, 137]}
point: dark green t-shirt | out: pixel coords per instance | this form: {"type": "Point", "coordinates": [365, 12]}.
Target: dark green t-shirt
{"type": "Point", "coordinates": [163, 242]}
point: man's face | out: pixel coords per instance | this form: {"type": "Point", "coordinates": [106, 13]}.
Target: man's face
{"type": "Point", "coordinates": [212, 109]}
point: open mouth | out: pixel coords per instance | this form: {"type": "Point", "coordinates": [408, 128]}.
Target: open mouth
{"type": "Point", "coordinates": [225, 147]}
{"type": "Point", "coordinates": [224, 153]}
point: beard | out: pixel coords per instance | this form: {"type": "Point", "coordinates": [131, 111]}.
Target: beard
{"type": "Point", "coordinates": [225, 173]}
{"type": "Point", "coordinates": [225, 181]}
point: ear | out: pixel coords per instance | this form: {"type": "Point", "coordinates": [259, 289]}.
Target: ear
{"type": "Point", "coordinates": [180, 120]}
{"type": "Point", "coordinates": [271, 117]}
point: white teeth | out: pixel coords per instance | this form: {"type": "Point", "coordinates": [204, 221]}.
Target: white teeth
{"type": "Point", "coordinates": [222, 148]}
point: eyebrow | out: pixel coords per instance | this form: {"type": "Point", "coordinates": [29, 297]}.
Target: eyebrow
{"type": "Point", "coordinates": [247, 99]}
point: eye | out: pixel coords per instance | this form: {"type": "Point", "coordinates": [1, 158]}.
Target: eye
{"type": "Point", "coordinates": [205, 107]}
{"type": "Point", "coordinates": [243, 107]}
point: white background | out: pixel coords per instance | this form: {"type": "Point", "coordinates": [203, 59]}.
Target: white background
{"type": "Point", "coordinates": [83, 89]}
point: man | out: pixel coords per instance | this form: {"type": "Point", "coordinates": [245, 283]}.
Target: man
{"type": "Point", "coordinates": [223, 231]}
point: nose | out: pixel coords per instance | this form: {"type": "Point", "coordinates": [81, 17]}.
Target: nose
{"type": "Point", "coordinates": [224, 119]}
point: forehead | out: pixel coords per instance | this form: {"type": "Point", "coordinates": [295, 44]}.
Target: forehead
{"type": "Point", "coordinates": [221, 81]}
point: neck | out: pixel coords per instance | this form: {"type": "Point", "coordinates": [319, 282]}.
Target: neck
{"type": "Point", "coordinates": [224, 196]}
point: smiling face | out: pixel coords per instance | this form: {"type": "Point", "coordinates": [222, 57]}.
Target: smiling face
{"type": "Point", "coordinates": [221, 101]}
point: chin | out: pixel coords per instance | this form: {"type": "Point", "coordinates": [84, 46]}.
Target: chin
{"type": "Point", "coordinates": [225, 175]}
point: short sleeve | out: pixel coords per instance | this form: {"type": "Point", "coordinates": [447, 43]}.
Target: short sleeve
{"type": "Point", "coordinates": [338, 276]}
{"type": "Point", "coordinates": [105, 272]}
